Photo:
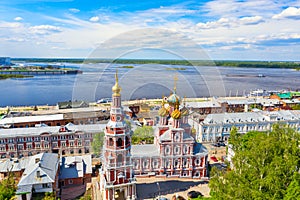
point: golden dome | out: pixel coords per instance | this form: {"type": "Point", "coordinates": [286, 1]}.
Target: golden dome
{"type": "Point", "coordinates": [184, 111]}
{"type": "Point", "coordinates": [116, 88]}
{"type": "Point", "coordinates": [163, 112]}
{"type": "Point", "coordinates": [176, 114]}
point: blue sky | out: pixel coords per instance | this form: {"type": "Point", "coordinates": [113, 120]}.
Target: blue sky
{"type": "Point", "coordinates": [220, 29]}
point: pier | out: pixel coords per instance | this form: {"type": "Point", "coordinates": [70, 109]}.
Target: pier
{"type": "Point", "coordinates": [40, 72]}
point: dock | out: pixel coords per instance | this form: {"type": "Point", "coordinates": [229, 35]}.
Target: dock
{"type": "Point", "coordinates": [41, 72]}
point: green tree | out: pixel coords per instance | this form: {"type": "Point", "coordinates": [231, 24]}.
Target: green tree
{"type": "Point", "coordinates": [49, 196]}
{"type": "Point", "coordinates": [7, 188]}
{"type": "Point", "coordinates": [293, 190]}
{"type": "Point", "coordinates": [144, 133]}
{"type": "Point", "coordinates": [264, 165]}
{"type": "Point", "coordinates": [97, 143]}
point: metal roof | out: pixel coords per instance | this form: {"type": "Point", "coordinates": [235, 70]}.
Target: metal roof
{"type": "Point", "coordinates": [204, 104]}
{"type": "Point", "coordinates": [36, 131]}
{"type": "Point", "coordinates": [247, 117]}
{"type": "Point", "coordinates": [145, 150]}
{"type": "Point", "coordinates": [75, 166]}
{"type": "Point", "coordinates": [44, 164]}
{"type": "Point", "coordinates": [27, 119]}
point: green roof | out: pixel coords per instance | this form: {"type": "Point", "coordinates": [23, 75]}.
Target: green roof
{"type": "Point", "coordinates": [288, 95]}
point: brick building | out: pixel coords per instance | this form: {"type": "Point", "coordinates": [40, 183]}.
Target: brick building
{"type": "Point", "coordinates": [65, 140]}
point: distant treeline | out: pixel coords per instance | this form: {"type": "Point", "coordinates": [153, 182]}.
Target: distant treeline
{"type": "Point", "coordinates": [249, 64]}
{"type": "Point", "coordinates": [6, 76]}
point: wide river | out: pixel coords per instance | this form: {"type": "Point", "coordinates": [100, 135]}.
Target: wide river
{"type": "Point", "coordinates": [143, 81]}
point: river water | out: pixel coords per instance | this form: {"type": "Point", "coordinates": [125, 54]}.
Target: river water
{"type": "Point", "coordinates": [143, 81]}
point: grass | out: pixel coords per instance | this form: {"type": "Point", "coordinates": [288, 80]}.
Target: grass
{"type": "Point", "coordinates": [6, 76]}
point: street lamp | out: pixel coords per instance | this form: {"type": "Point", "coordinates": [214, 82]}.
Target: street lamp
{"type": "Point", "coordinates": [158, 190]}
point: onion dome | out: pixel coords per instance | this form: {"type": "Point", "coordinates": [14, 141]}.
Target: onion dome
{"type": "Point", "coordinates": [173, 98]}
{"type": "Point", "coordinates": [163, 112]}
{"type": "Point", "coordinates": [116, 88]}
{"type": "Point", "coordinates": [176, 114]}
{"type": "Point", "coordinates": [184, 111]}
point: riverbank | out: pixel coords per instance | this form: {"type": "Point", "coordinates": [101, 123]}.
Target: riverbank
{"type": "Point", "coordinates": [7, 76]}
{"type": "Point", "coordinates": [227, 63]}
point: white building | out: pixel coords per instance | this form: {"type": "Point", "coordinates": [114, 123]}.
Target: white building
{"type": "Point", "coordinates": [40, 176]}
{"type": "Point", "coordinates": [216, 127]}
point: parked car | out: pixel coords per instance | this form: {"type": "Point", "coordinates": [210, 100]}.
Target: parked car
{"type": "Point", "coordinates": [194, 194]}
{"type": "Point", "coordinates": [222, 144]}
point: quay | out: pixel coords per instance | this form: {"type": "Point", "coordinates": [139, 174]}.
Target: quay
{"type": "Point", "coordinates": [41, 72]}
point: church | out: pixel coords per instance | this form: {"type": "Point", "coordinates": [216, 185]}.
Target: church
{"type": "Point", "coordinates": [175, 153]}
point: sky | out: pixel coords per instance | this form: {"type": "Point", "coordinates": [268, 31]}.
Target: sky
{"type": "Point", "coordinates": [222, 29]}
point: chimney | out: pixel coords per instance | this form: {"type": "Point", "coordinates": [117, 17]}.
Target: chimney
{"type": "Point", "coordinates": [37, 160]}
{"type": "Point", "coordinates": [38, 174]}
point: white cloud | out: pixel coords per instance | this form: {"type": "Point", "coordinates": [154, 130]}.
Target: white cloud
{"type": "Point", "coordinates": [74, 10]}
{"type": "Point", "coordinates": [94, 19]}
{"type": "Point", "coordinates": [290, 12]}
{"type": "Point", "coordinates": [18, 18]}
{"type": "Point", "coordinates": [251, 20]}
{"type": "Point", "coordinates": [231, 22]}
{"type": "Point", "coordinates": [222, 22]}
{"type": "Point", "coordinates": [236, 9]}
{"type": "Point", "coordinates": [44, 29]}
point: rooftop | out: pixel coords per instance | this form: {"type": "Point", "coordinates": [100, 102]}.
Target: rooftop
{"type": "Point", "coordinates": [36, 131]}
{"type": "Point", "coordinates": [144, 150]}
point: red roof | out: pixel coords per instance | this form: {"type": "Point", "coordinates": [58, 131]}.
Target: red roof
{"type": "Point", "coordinates": [213, 158]}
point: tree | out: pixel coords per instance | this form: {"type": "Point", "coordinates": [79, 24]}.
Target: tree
{"type": "Point", "coordinates": [49, 196]}
{"type": "Point", "coordinates": [144, 133]}
{"type": "Point", "coordinates": [7, 188]}
{"type": "Point", "coordinates": [264, 165]}
{"type": "Point", "coordinates": [97, 143]}
{"type": "Point", "coordinates": [293, 190]}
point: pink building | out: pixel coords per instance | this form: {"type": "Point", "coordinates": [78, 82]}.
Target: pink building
{"type": "Point", "coordinates": [174, 152]}
{"type": "Point", "coordinates": [117, 180]}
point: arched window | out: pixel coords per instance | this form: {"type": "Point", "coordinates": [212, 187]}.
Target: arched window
{"type": "Point", "coordinates": [175, 163]}
{"type": "Point", "coordinates": [167, 150]}
{"type": "Point", "coordinates": [119, 142]}
{"type": "Point", "coordinates": [119, 159]}
{"type": "Point", "coordinates": [110, 142]}
{"type": "Point", "coordinates": [127, 140]}
{"type": "Point", "coordinates": [79, 151]}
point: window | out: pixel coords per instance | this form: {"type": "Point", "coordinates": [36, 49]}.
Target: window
{"type": "Point", "coordinates": [63, 144]}
{"type": "Point", "coordinates": [145, 164]}
{"type": "Point", "coordinates": [29, 146]}
{"type": "Point", "coordinates": [79, 143]}
{"type": "Point", "coordinates": [177, 150]}
{"type": "Point", "coordinates": [45, 185]}
{"type": "Point", "coordinates": [167, 150]}
{"type": "Point", "coordinates": [120, 159]}
{"type": "Point", "coordinates": [167, 164]}
{"type": "Point", "coordinates": [176, 163]}
{"type": "Point", "coordinates": [119, 142]}
{"type": "Point", "coordinates": [184, 163]}
{"type": "Point", "coordinates": [110, 142]}
{"type": "Point", "coordinates": [71, 144]}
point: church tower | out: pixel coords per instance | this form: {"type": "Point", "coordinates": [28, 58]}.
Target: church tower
{"type": "Point", "coordinates": [117, 180]}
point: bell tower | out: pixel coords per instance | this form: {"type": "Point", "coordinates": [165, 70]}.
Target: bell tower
{"type": "Point", "coordinates": [117, 180]}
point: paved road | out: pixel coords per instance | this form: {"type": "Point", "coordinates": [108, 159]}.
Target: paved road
{"type": "Point", "coordinates": [153, 187]}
